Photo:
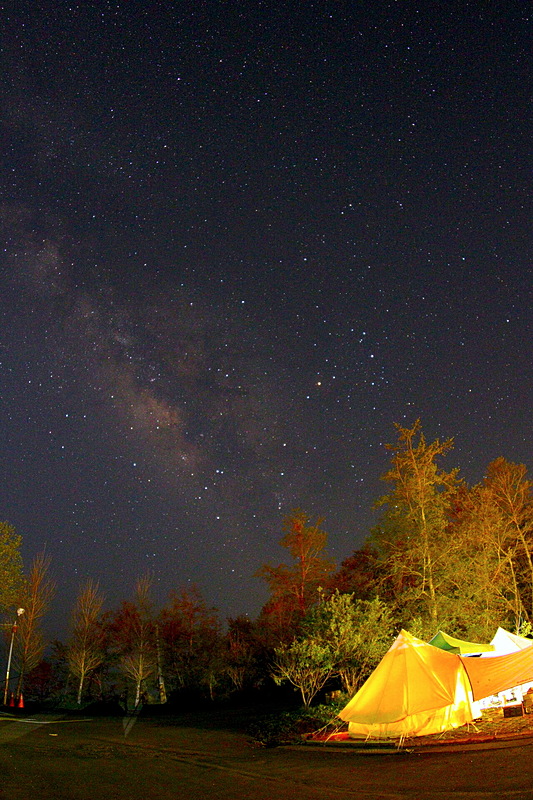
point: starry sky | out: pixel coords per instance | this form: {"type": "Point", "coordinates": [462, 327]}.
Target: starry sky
{"type": "Point", "coordinates": [240, 241]}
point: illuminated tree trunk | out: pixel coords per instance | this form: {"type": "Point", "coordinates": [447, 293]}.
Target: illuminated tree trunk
{"type": "Point", "coordinates": [85, 650]}
{"type": "Point", "coordinates": [133, 630]}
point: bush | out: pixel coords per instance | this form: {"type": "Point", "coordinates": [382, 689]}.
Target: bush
{"type": "Point", "coordinates": [293, 727]}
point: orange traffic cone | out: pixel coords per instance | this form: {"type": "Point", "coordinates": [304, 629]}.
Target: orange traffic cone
{"type": "Point", "coordinates": [20, 703]}
{"type": "Point", "coordinates": [11, 703]}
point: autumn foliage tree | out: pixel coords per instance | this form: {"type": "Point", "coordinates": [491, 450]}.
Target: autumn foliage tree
{"type": "Point", "coordinates": [35, 598]}
{"type": "Point", "coordinates": [132, 629]}
{"type": "Point", "coordinates": [510, 493]}
{"type": "Point", "coordinates": [191, 641]}
{"type": "Point", "coordinates": [293, 587]}
{"type": "Point", "coordinates": [358, 574]}
{"type": "Point", "coordinates": [443, 556]}
{"type": "Point", "coordinates": [483, 588]}
{"type": "Point", "coordinates": [242, 652]}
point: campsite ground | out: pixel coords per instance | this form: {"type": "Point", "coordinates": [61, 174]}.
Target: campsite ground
{"type": "Point", "coordinates": [209, 755]}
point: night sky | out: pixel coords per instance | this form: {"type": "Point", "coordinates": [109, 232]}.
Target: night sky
{"type": "Point", "coordinates": [241, 240]}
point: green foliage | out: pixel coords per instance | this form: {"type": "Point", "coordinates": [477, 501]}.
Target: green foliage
{"type": "Point", "coordinates": [412, 540]}
{"type": "Point", "coordinates": [341, 636]}
{"type": "Point", "coordinates": [482, 593]}
{"type": "Point", "coordinates": [452, 557]}
{"type": "Point", "coordinates": [525, 629]}
{"type": "Point", "coordinates": [357, 634]}
{"type": "Point", "coordinates": [307, 664]}
{"type": "Point", "coordinates": [444, 556]}
{"type": "Point", "coordinates": [11, 579]}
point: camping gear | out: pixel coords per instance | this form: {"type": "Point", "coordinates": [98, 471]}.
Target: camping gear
{"type": "Point", "coordinates": [453, 645]}
{"type": "Point", "coordinates": [416, 689]}
{"type": "Point", "coordinates": [419, 689]}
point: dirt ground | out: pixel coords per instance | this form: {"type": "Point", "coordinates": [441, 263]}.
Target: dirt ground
{"type": "Point", "coordinates": [492, 726]}
{"type": "Point", "coordinates": [210, 756]}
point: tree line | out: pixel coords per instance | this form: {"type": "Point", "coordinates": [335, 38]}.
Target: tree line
{"type": "Point", "coordinates": [444, 555]}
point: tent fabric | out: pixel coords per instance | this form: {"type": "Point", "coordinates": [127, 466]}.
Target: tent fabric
{"type": "Point", "coordinates": [417, 689]}
{"type": "Point", "coordinates": [505, 642]}
{"type": "Point", "coordinates": [445, 642]}
{"type": "Point", "coordinates": [491, 675]}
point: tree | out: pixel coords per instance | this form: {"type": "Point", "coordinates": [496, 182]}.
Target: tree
{"type": "Point", "coordinates": [242, 652]}
{"type": "Point", "coordinates": [356, 632]}
{"type": "Point", "coordinates": [133, 629]}
{"type": "Point", "coordinates": [510, 492]}
{"type": "Point", "coordinates": [340, 636]}
{"type": "Point", "coordinates": [11, 578]}
{"type": "Point", "coordinates": [190, 632]}
{"type": "Point", "coordinates": [37, 594]}
{"type": "Point", "coordinates": [485, 586]}
{"type": "Point", "coordinates": [359, 573]}
{"type": "Point", "coordinates": [412, 542]}
{"type": "Point", "coordinates": [86, 649]}
{"type": "Point", "coordinates": [306, 663]}
{"type": "Point", "coordinates": [293, 588]}
{"type": "Point", "coordinates": [492, 568]}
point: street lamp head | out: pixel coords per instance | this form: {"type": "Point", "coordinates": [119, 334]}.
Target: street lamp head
{"type": "Point", "coordinates": [20, 612]}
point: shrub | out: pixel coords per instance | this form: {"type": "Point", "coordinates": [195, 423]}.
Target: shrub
{"type": "Point", "coordinates": [293, 727]}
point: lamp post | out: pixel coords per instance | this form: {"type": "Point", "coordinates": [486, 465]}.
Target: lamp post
{"type": "Point", "coordinates": [20, 612]}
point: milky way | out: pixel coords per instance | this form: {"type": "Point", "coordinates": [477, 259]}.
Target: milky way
{"type": "Point", "coordinates": [239, 246]}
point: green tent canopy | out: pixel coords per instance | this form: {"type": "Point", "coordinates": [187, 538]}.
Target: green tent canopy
{"type": "Point", "coordinates": [458, 646]}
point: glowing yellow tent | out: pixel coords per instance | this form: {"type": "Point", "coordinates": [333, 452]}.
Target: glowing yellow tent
{"type": "Point", "coordinates": [417, 689]}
